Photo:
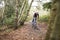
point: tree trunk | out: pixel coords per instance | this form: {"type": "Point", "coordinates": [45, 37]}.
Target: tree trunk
{"type": "Point", "coordinates": [56, 29]}
{"type": "Point", "coordinates": [28, 10]}
{"type": "Point", "coordinates": [21, 11]}
{"type": "Point", "coordinates": [51, 21]}
{"type": "Point", "coordinates": [16, 20]}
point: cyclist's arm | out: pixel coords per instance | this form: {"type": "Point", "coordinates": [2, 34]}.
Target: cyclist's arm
{"type": "Point", "coordinates": [38, 17]}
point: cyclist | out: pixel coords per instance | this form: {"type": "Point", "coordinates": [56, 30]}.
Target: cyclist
{"type": "Point", "coordinates": [34, 21]}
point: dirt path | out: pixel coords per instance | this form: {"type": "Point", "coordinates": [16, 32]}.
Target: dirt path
{"type": "Point", "coordinates": [26, 33]}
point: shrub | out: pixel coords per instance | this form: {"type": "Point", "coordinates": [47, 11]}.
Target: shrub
{"type": "Point", "coordinates": [44, 18]}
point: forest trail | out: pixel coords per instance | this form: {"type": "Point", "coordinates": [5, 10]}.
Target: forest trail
{"type": "Point", "coordinates": [26, 33]}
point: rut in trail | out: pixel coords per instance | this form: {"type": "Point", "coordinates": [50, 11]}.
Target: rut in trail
{"type": "Point", "coordinates": [26, 33]}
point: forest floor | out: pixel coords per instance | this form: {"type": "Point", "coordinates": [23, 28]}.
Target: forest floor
{"type": "Point", "coordinates": [26, 33]}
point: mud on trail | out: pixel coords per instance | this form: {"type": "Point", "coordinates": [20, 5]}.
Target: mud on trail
{"type": "Point", "coordinates": [27, 33]}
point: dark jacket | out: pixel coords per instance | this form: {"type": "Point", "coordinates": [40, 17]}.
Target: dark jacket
{"type": "Point", "coordinates": [35, 15]}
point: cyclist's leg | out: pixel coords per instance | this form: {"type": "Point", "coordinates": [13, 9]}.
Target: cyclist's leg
{"type": "Point", "coordinates": [35, 25]}
{"type": "Point", "coordinates": [33, 22]}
